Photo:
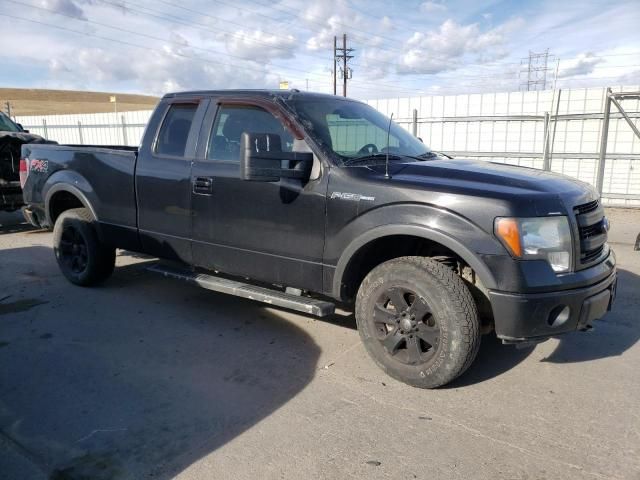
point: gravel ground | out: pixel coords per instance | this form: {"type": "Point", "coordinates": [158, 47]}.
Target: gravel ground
{"type": "Point", "coordinates": [147, 377]}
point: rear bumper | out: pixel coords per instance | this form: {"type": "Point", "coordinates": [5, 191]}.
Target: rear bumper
{"type": "Point", "coordinates": [525, 317]}
{"type": "Point", "coordinates": [33, 216]}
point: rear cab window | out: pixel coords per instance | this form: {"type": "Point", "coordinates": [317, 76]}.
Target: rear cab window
{"type": "Point", "coordinates": [174, 132]}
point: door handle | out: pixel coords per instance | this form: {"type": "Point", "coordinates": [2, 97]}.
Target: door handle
{"type": "Point", "coordinates": [203, 185]}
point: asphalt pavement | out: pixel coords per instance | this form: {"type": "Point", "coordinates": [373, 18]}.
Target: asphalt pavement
{"type": "Point", "coordinates": [147, 377]}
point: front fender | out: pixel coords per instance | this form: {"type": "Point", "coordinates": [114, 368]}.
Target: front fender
{"type": "Point", "coordinates": [431, 223]}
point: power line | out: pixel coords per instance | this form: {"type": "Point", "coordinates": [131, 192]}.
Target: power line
{"type": "Point", "coordinates": [376, 85]}
{"type": "Point", "coordinates": [177, 53]}
{"type": "Point", "coordinates": [207, 28]}
{"type": "Point", "coordinates": [152, 37]}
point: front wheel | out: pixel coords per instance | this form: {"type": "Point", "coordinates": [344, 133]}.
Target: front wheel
{"type": "Point", "coordinates": [82, 258]}
{"type": "Point", "coordinates": [418, 321]}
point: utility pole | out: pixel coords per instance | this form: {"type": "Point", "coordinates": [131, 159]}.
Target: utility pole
{"type": "Point", "coordinates": [341, 55]}
{"type": "Point", "coordinates": [8, 105]}
{"type": "Point", "coordinates": [335, 63]}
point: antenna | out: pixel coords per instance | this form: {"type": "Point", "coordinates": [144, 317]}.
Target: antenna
{"type": "Point", "coordinates": [386, 164]}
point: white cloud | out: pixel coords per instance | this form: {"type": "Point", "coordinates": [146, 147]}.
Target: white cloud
{"type": "Point", "coordinates": [70, 8]}
{"type": "Point", "coordinates": [584, 64]}
{"type": "Point", "coordinates": [432, 7]}
{"type": "Point", "coordinates": [174, 67]}
{"type": "Point", "coordinates": [396, 48]}
{"type": "Point", "coordinates": [445, 48]}
{"type": "Point", "coordinates": [257, 44]}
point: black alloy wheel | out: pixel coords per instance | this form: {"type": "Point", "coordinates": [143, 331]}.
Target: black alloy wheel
{"type": "Point", "coordinates": [406, 326]}
{"type": "Point", "coordinates": [73, 250]}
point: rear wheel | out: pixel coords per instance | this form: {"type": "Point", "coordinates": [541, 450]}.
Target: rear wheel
{"type": "Point", "coordinates": [82, 258]}
{"type": "Point", "coordinates": [418, 321]}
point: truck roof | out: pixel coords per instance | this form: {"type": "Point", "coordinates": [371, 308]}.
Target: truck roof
{"type": "Point", "coordinates": [255, 93]}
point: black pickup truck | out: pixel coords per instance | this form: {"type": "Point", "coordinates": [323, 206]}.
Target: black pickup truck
{"type": "Point", "coordinates": [306, 201]}
{"type": "Point", "coordinates": [12, 137]}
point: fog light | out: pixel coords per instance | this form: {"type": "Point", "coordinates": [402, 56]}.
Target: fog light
{"type": "Point", "coordinates": [559, 315]}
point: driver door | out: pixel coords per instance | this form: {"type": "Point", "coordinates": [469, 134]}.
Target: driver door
{"type": "Point", "coordinates": [268, 231]}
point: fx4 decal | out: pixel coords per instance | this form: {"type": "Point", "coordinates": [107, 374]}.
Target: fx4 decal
{"type": "Point", "coordinates": [40, 166]}
{"type": "Point", "coordinates": [351, 196]}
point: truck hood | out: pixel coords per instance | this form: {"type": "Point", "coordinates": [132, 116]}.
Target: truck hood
{"type": "Point", "coordinates": [486, 185]}
{"type": "Point", "coordinates": [489, 179]}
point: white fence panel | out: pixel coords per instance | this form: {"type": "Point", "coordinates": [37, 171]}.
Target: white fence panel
{"type": "Point", "coordinates": [509, 127]}
{"type": "Point", "coordinates": [123, 128]}
{"type": "Point", "coordinates": [506, 127]}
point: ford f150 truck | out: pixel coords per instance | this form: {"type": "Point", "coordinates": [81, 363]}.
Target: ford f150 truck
{"type": "Point", "coordinates": [306, 201]}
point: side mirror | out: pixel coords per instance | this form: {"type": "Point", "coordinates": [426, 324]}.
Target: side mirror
{"type": "Point", "coordinates": [22, 128]}
{"type": "Point", "coordinates": [262, 159]}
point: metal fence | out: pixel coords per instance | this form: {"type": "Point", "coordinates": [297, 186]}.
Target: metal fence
{"type": "Point", "coordinates": [125, 128]}
{"type": "Point", "coordinates": [561, 131]}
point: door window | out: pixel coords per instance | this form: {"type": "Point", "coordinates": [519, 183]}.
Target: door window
{"type": "Point", "coordinates": [172, 138]}
{"type": "Point", "coordinates": [232, 121]}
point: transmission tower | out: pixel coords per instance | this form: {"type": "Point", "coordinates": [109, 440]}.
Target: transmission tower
{"type": "Point", "coordinates": [535, 67]}
{"type": "Point", "coordinates": [340, 58]}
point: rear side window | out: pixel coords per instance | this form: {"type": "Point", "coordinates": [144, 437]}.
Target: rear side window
{"type": "Point", "coordinates": [172, 139]}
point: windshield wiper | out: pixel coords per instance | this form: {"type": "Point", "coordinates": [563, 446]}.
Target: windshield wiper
{"type": "Point", "coordinates": [372, 156]}
{"type": "Point", "coordinates": [394, 156]}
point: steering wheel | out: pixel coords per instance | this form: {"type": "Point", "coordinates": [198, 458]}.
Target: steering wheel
{"type": "Point", "coordinates": [369, 149]}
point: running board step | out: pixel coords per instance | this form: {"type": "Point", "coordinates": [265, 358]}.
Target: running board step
{"type": "Point", "coordinates": [319, 308]}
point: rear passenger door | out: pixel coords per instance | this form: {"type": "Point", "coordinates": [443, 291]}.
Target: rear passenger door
{"type": "Point", "coordinates": [163, 178]}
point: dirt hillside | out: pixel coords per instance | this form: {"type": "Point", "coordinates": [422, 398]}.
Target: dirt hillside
{"type": "Point", "coordinates": [53, 102]}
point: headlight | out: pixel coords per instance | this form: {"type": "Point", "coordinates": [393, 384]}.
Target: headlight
{"type": "Point", "coordinates": [547, 238]}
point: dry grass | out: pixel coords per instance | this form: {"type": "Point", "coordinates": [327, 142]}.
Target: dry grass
{"type": "Point", "coordinates": [56, 102]}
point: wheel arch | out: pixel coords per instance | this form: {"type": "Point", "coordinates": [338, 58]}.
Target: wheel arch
{"type": "Point", "coordinates": [366, 240]}
{"type": "Point", "coordinates": [64, 196]}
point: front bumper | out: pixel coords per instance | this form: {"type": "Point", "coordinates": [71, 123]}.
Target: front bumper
{"type": "Point", "coordinates": [525, 317]}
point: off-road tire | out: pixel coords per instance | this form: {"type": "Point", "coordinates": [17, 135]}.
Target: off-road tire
{"type": "Point", "coordinates": [452, 311]}
{"type": "Point", "coordinates": [82, 258]}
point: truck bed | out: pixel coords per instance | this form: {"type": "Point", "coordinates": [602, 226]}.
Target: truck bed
{"type": "Point", "coordinates": [112, 197]}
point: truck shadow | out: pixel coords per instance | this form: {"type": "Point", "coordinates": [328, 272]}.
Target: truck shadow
{"type": "Point", "coordinates": [493, 360]}
{"type": "Point", "coordinates": [139, 378]}
{"type": "Point", "coordinates": [13, 222]}
{"type": "Point", "coordinates": [611, 336]}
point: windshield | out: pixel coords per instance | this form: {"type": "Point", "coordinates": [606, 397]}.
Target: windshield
{"type": "Point", "coordinates": [354, 130]}
{"type": "Point", "coordinates": [6, 125]}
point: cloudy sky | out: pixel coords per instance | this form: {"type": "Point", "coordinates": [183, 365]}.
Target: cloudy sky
{"type": "Point", "coordinates": [401, 48]}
